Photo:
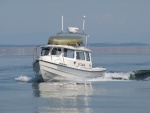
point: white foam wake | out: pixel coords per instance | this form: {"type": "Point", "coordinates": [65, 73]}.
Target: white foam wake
{"type": "Point", "coordinates": [119, 75]}
{"type": "Point", "coordinates": [116, 76]}
{"type": "Point", "coordinates": [23, 78]}
{"type": "Point", "coordinates": [28, 79]}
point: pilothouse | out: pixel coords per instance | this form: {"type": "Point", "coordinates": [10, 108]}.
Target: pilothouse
{"type": "Point", "coordinates": [65, 58]}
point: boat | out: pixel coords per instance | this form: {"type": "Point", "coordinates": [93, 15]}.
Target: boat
{"type": "Point", "coordinates": [66, 57]}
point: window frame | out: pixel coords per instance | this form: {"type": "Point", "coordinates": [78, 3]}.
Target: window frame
{"type": "Point", "coordinates": [80, 57]}
{"type": "Point", "coordinates": [56, 51]}
{"type": "Point", "coordinates": [46, 51]}
{"type": "Point", "coordinates": [66, 55]}
{"type": "Point", "coordinates": [87, 54]}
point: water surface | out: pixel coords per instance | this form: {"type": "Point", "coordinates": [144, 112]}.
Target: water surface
{"type": "Point", "coordinates": [114, 93]}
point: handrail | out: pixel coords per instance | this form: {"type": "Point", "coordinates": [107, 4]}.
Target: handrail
{"type": "Point", "coordinates": [34, 53]}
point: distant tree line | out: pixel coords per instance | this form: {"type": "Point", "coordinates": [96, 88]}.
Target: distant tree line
{"type": "Point", "coordinates": [119, 44]}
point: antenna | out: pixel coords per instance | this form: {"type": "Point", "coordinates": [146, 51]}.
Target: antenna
{"type": "Point", "coordinates": [83, 22]}
{"type": "Point", "coordinates": [62, 24]}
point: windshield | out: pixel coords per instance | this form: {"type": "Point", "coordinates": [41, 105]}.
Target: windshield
{"type": "Point", "coordinates": [56, 51]}
{"type": "Point", "coordinates": [45, 51]}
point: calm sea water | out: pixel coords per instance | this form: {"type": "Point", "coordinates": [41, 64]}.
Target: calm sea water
{"type": "Point", "coordinates": [114, 93]}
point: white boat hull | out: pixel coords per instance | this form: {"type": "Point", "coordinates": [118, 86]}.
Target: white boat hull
{"type": "Point", "coordinates": [56, 72]}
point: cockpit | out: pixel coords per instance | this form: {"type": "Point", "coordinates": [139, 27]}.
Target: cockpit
{"type": "Point", "coordinates": [67, 53]}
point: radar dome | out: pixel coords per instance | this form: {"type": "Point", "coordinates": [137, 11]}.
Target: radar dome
{"type": "Point", "coordinates": [73, 29]}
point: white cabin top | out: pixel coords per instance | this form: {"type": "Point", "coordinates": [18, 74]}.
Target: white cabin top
{"type": "Point", "coordinates": [81, 48]}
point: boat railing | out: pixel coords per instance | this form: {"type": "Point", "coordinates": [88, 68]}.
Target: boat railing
{"type": "Point", "coordinates": [36, 52]}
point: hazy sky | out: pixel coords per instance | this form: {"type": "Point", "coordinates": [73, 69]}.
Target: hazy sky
{"type": "Point", "coordinates": [33, 21]}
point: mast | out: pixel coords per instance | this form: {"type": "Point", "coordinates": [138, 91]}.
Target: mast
{"type": "Point", "coordinates": [83, 22]}
{"type": "Point", "coordinates": [62, 24]}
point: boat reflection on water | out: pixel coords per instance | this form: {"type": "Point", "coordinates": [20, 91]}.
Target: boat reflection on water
{"type": "Point", "coordinates": [61, 90]}
{"type": "Point", "coordinates": [66, 97]}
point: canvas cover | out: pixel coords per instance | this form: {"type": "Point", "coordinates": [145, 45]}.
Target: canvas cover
{"type": "Point", "coordinates": [65, 40]}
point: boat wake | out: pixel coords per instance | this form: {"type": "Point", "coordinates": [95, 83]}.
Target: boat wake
{"type": "Point", "coordinates": [140, 75]}
{"type": "Point", "coordinates": [113, 76]}
{"type": "Point", "coordinates": [27, 79]}
{"type": "Point", "coordinates": [143, 75]}
{"type": "Point", "coordinates": [23, 78]}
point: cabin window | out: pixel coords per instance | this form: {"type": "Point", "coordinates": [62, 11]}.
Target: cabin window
{"type": "Point", "coordinates": [87, 56]}
{"type": "Point", "coordinates": [69, 53]}
{"type": "Point", "coordinates": [80, 56]}
{"type": "Point", "coordinates": [45, 51]}
{"type": "Point", "coordinates": [56, 51]}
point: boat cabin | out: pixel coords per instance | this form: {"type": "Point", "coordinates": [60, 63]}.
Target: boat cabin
{"type": "Point", "coordinates": [67, 56]}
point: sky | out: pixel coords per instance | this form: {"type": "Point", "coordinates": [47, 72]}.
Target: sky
{"type": "Point", "coordinates": [31, 22]}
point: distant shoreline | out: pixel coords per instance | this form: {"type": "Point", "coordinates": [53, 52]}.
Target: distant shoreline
{"type": "Point", "coordinates": [6, 50]}
{"type": "Point", "coordinates": [91, 45]}
{"type": "Point", "coordinates": [121, 50]}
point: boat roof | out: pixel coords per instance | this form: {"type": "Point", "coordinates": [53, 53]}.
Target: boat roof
{"type": "Point", "coordinates": [80, 48]}
{"type": "Point", "coordinates": [65, 36]}
{"type": "Point", "coordinates": [65, 40]}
